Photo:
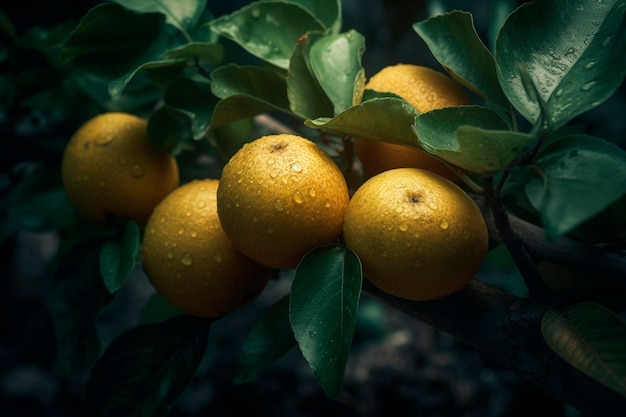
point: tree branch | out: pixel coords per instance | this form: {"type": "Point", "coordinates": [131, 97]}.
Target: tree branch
{"type": "Point", "coordinates": [507, 329]}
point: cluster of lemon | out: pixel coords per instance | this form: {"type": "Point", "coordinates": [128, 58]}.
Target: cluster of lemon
{"type": "Point", "coordinates": [210, 246]}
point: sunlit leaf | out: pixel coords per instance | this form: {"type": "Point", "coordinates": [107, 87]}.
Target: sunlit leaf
{"type": "Point", "coordinates": [270, 338]}
{"type": "Point", "coordinates": [323, 304]}
{"type": "Point", "coordinates": [577, 177]}
{"type": "Point", "coordinates": [592, 338]}
{"type": "Point", "coordinates": [268, 30]}
{"type": "Point", "coordinates": [575, 53]}
{"type": "Point", "coordinates": [453, 41]}
{"type": "Point", "coordinates": [119, 256]}
{"type": "Point", "coordinates": [145, 370]}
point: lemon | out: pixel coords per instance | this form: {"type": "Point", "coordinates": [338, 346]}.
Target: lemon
{"type": "Point", "coordinates": [425, 89]}
{"type": "Point", "coordinates": [418, 235]}
{"type": "Point", "coordinates": [112, 172]}
{"type": "Point", "coordinates": [280, 196]}
{"type": "Point", "coordinates": [190, 260]}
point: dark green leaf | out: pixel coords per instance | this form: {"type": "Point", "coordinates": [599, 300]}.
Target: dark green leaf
{"type": "Point", "coordinates": [166, 69]}
{"type": "Point", "coordinates": [118, 257]}
{"type": "Point", "coordinates": [335, 61]}
{"type": "Point", "coordinates": [592, 338]}
{"type": "Point", "coordinates": [270, 338]}
{"type": "Point", "coordinates": [145, 370]}
{"type": "Point", "coordinates": [196, 100]}
{"type": "Point", "coordinates": [387, 119]}
{"type": "Point", "coordinates": [323, 305]}
{"type": "Point", "coordinates": [169, 129]}
{"type": "Point", "coordinates": [575, 53]}
{"type": "Point", "coordinates": [78, 294]}
{"type": "Point", "coordinates": [306, 96]}
{"type": "Point", "coordinates": [471, 137]}
{"type": "Point", "coordinates": [229, 138]}
{"type": "Point", "coordinates": [200, 53]}
{"type": "Point", "coordinates": [182, 14]}
{"type": "Point", "coordinates": [453, 41]}
{"type": "Point", "coordinates": [268, 30]}
{"type": "Point", "coordinates": [158, 309]}
{"type": "Point", "coordinates": [327, 11]}
{"type": "Point", "coordinates": [578, 177]}
{"type": "Point", "coordinates": [111, 41]}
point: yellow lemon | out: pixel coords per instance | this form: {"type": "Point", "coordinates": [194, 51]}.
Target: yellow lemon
{"type": "Point", "coordinates": [190, 260]}
{"type": "Point", "coordinates": [418, 235]}
{"type": "Point", "coordinates": [113, 173]}
{"type": "Point", "coordinates": [280, 196]}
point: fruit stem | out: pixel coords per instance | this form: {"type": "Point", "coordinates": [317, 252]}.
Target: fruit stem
{"type": "Point", "coordinates": [515, 245]}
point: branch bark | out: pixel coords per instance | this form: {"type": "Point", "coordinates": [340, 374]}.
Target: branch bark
{"type": "Point", "coordinates": [507, 329]}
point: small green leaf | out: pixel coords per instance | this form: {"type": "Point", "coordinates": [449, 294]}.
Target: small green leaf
{"type": "Point", "coordinates": [169, 129]}
{"type": "Point", "coordinates": [453, 41]}
{"type": "Point", "coordinates": [118, 257]}
{"type": "Point", "coordinates": [145, 370]}
{"type": "Point", "coordinates": [196, 100]}
{"type": "Point", "coordinates": [198, 53]}
{"type": "Point", "coordinates": [579, 177]}
{"type": "Point", "coordinates": [335, 61]}
{"type": "Point", "coordinates": [388, 119]}
{"type": "Point", "coordinates": [78, 295]}
{"type": "Point", "coordinates": [575, 53]}
{"type": "Point", "coordinates": [182, 14]}
{"type": "Point", "coordinates": [591, 338]}
{"type": "Point", "coordinates": [111, 41]}
{"type": "Point", "coordinates": [166, 69]}
{"type": "Point", "coordinates": [268, 30]}
{"type": "Point", "coordinates": [323, 304]}
{"type": "Point", "coordinates": [270, 338]}
{"type": "Point", "coordinates": [471, 137]}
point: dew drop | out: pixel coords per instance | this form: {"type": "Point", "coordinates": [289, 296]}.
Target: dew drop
{"type": "Point", "coordinates": [444, 224]}
{"type": "Point", "coordinates": [399, 209]}
{"type": "Point", "coordinates": [279, 205]}
{"type": "Point", "coordinates": [239, 180]}
{"type": "Point", "coordinates": [152, 230]}
{"type": "Point", "coordinates": [194, 234]}
{"type": "Point", "coordinates": [606, 41]}
{"type": "Point", "coordinates": [270, 229]}
{"type": "Point", "coordinates": [297, 197]}
{"type": "Point", "coordinates": [271, 161]}
{"type": "Point", "coordinates": [312, 192]}
{"type": "Point", "coordinates": [181, 231]}
{"type": "Point", "coordinates": [170, 255]}
{"type": "Point", "coordinates": [432, 205]}
{"type": "Point", "coordinates": [588, 86]}
{"type": "Point", "coordinates": [137, 171]}
{"type": "Point", "coordinates": [186, 259]}
{"type": "Point", "coordinates": [326, 203]}
{"type": "Point", "coordinates": [312, 333]}
{"type": "Point", "coordinates": [296, 167]}
{"type": "Point", "coordinates": [201, 204]}
{"type": "Point", "coordinates": [255, 219]}
{"type": "Point", "coordinates": [590, 65]}
{"type": "Point", "coordinates": [403, 227]}
{"type": "Point", "coordinates": [274, 173]}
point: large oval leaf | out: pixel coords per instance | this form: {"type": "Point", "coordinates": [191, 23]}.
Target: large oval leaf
{"type": "Point", "coordinates": [453, 41]}
{"type": "Point", "coordinates": [268, 30]}
{"type": "Point", "coordinates": [592, 338]}
{"type": "Point", "coordinates": [574, 51]}
{"type": "Point", "coordinates": [327, 11]}
{"type": "Point", "coordinates": [145, 370]}
{"type": "Point", "coordinates": [323, 304]}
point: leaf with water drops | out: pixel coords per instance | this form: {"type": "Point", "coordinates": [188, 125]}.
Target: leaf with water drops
{"type": "Point", "coordinates": [323, 306]}
{"type": "Point", "coordinates": [592, 338]}
{"type": "Point", "coordinates": [574, 51]}
{"type": "Point", "coordinates": [575, 178]}
{"type": "Point", "coordinates": [268, 30]}
{"type": "Point", "coordinates": [182, 14]}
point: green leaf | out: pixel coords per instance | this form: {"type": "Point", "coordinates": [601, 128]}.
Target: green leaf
{"type": "Point", "coordinates": [182, 14]}
{"type": "Point", "coordinates": [575, 53]}
{"type": "Point", "coordinates": [387, 119]}
{"type": "Point", "coordinates": [145, 370]}
{"type": "Point", "coordinates": [196, 100]}
{"type": "Point", "coordinates": [118, 257]}
{"type": "Point", "coordinates": [335, 61]}
{"type": "Point", "coordinates": [591, 338]}
{"type": "Point", "coordinates": [453, 41]}
{"type": "Point", "coordinates": [327, 11]}
{"type": "Point", "coordinates": [169, 129]}
{"type": "Point", "coordinates": [471, 137]}
{"type": "Point", "coordinates": [307, 98]}
{"type": "Point", "coordinates": [268, 30]}
{"type": "Point", "coordinates": [198, 53]}
{"type": "Point", "coordinates": [270, 338]}
{"type": "Point", "coordinates": [246, 91]}
{"type": "Point", "coordinates": [77, 296]}
{"type": "Point", "coordinates": [166, 69]}
{"type": "Point", "coordinates": [323, 305]}
{"type": "Point", "coordinates": [110, 40]}
{"type": "Point", "coordinates": [579, 176]}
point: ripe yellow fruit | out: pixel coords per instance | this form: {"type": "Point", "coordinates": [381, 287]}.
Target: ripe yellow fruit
{"type": "Point", "coordinates": [425, 89]}
{"type": "Point", "coordinates": [112, 173]}
{"type": "Point", "coordinates": [280, 196]}
{"type": "Point", "coordinates": [190, 260]}
{"type": "Point", "coordinates": [418, 235]}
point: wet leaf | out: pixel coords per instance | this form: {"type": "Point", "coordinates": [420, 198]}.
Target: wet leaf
{"type": "Point", "coordinates": [119, 256]}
